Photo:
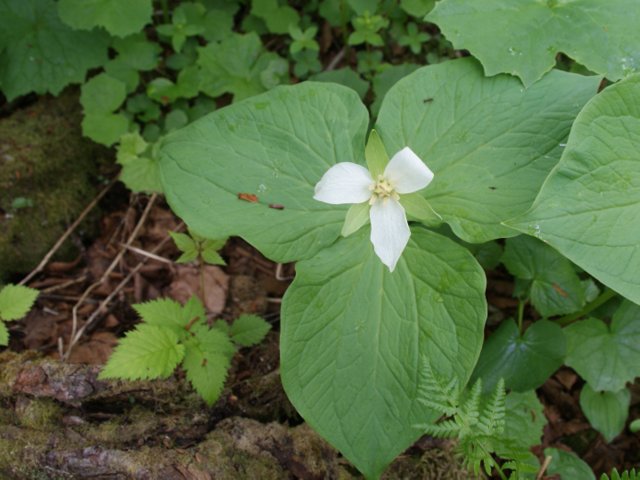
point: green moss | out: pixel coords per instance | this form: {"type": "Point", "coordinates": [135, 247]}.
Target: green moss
{"type": "Point", "coordinates": [38, 414]}
{"type": "Point", "coordinates": [45, 161]}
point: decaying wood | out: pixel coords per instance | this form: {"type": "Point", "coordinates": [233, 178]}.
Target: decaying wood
{"type": "Point", "coordinates": [58, 421]}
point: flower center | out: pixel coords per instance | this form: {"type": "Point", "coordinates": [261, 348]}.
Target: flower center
{"type": "Point", "coordinates": [383, 190]}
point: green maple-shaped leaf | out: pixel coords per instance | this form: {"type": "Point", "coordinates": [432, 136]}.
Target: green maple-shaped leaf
{"type": "Point", "coordinates": [589, 207]}
{"type": "Point", "coordinates": [147, 352]}
{"type": "Point", "coordinates": [16, 301]}
{"type": "Point", "coordinates": [40, 53]}
{"type": "Point", "coordinates": [248, 330]}
{"type": "Point", "coordinates": [523, 37]}
{"type": "Point", "coordinates": [119, 17]}
{"type": "Point", "coordinates": [606, 356]}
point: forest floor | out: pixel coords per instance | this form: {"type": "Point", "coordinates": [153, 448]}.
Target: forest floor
{"type": "Point", "coordinates": [58, 421]}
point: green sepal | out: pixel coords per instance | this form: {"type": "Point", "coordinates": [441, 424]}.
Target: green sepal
{"type": "Point", "coordinates": [376, 154]}
{"type": "Point", "coordinates": [418, 208]}
{"type": "Point", "coordinates": [357, 217]}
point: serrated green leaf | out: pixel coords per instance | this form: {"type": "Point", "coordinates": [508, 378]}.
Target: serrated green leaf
{"type": "Point", "coordinates": [278, 165]}
{"type": "Point", "coordinates": [555, 287]}
{"type": "Point", "coordinates": [163, 312]}
{"type": "Point", "coordinates": [343, 76]}
{"type": "Point", "coordinates": [102, 94]}
{"type": "Point", "coordinates": [41, 54]}
{"type": "Point", "coordinates": [137, 52]}
{"type": "Point", "coordinates": [16, 301]}
{"type": "Point", "coordinates": [119, 17]}
{"type": "Point", "coordinates": [607, 412]}
{"type": "Point", "coordinates": [568, 465]}
{"type": "Point", "coordinates": [130, 147]}
{"type": "Point", "coordinates": [353, 336]}
{"type": "Point", "coordinates": [214, 340]}
{"type": "Point", "coordinates": [194, 309]}
{"type": "Point", "coordinates": [147, 352]}
{"type": "Point", "coordinates": [207, 372]}
{"type": "Point", "coordinates": [489, 142]}
{"type": "Point", "coordinates": [603, 36]}
{"type": "Point", "coordinates": [184, 242]}
{"type": "Point", "coordinates": [248, 330]}
{"type": "Point", "coordinates": [606, 356]}
{"type": "Point", "coordinates": [589, 207]}
{"type": "Point", "coordinates": [105, 128]}
{"type": "Point", "coordinates": [4, 334]}
{"type": "Point", "coordinates": [238, 65]}
{"type": "Point", "coordinates": [212, 257]}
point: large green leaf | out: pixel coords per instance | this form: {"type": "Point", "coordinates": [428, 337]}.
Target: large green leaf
{"type": "Point", "coordinates": [607, 412]}
{"type": "Point", "coordinates": [276, 146]}
{"type": "Point", "coordinates": [589, 207]}
{"type": "Point", "coordinates": [40, 53]}
{"type": "Point", "coordinates": [490, 142]}
{"type": "Point", "coordinates": [606, 356]}
{"type": "Point", "coordinates": [508, 355]}
{"type": "Point", "coordinates": [522, 37]}
{"type": "Point", "coordinates": [353, 335]}
{"type": "Point", "coordinates": [119, 17]}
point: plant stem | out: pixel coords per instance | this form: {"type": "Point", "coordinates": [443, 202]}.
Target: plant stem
{"type": "Point", "coordinates": [603, 298]}
{"type": "Point", "coordinates": [521, 305]}
{"type": "Point", "coordinates": [201, 265]}
{"type": "Point", "coordinates": [165, 10]}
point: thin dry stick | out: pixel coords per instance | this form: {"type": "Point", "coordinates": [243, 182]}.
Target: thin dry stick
{"type": "Point", "coordinates": [103, 305]}
{"type": "Point", "coordinates": [279, 275]}
{"type": "Point", "coordinates": [66, 234]}
{"type": "Point", "coordinates": [74, 312]}
{"type": "Point", "coordinates": [543, 468]}
{"type": "Point", "coordinates": [66, 284]}
{"type": "Point", "coordinates": [145, 253]}
{"type": "Point", "coordinates": [336, 60]}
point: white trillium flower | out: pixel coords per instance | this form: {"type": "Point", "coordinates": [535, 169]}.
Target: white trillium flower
{"type": "Point", "coordinates": [348, 182]}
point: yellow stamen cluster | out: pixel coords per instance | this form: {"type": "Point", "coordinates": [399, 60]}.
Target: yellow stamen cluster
{"type": "Point", "coordinates": [382, 190]}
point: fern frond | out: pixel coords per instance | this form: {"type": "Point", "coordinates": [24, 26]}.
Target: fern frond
{"type": "Point", "coordinates": [470, 409]}
{"type": "Point", "coordinates": [444, 429]}
{"type": "Point", "coordinates": [626, 475]}
{"type": "Point", "coordinates": [492, 418]}
{"type": "Point", "coordinates": [434, 395]}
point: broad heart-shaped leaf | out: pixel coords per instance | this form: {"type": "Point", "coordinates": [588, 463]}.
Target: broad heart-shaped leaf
{"type": "Point", "coordinates": [524, 362]}
{"type": "Point", "coordinates": [555, 287]}
{"type": "Point", "coordinates": [568, 465]}
{"type": "Point", "coordinates": [522, 37]}
{"type": "Point", "coordinates": [119, 17]}
{"type": "Point", "coordinates": [589, 207]}
{"type": "Point", "coordinates": [353, 337]}
{"type": "Point", "coordinates": [606, 356]}
{"type": "Point", "coordinates": [607, 412]}
{"type": "Point", "coordinates": [275, 146]}
{"type": "Point", "coordinates": [490, 142]}
{"type": "Point", "coordinates": [40, 53]}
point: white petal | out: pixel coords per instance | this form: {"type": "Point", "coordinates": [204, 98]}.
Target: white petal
{"type": "Point", "coordinates": [345, 182]}
{"type": "Point", "coordinates": [407, 173]}
{"type": "Point", "coordinates": [389, 230]}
